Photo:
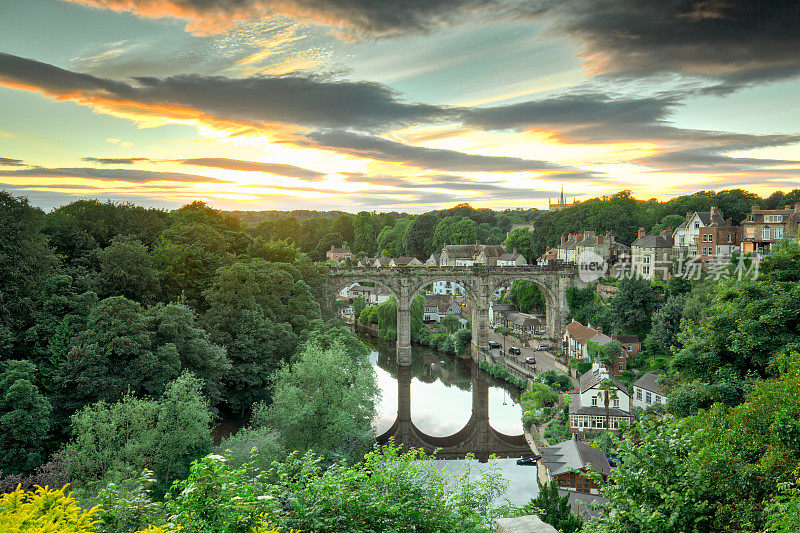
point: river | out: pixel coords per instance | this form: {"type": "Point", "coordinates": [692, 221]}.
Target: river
{"type": "Point", "coordinates": [440, 392]}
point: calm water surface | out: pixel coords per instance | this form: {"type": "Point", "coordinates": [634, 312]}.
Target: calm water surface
{"type": "Point", "coordinates": [441, 405]}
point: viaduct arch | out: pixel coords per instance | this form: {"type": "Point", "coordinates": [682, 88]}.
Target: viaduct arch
{"type": "Point", "coordinates": [480, 283]}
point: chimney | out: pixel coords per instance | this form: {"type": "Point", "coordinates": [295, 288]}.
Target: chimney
{"type": "Point", "coordinates": [515, 250]}
{"type": "Point", "coordinates": [641, 233]}
{"type": "Point", "coordinates": [599, 329]}
{"type": "Point", "coordinates": [688, 215]}
{"type": "Point", "coordinates": [666, 233]}
{"type": "Point", "coordinates": [753, 208]}
{"type": "Point", "coordinates": [562, 240]}
{"type": "Point", "coordinates": [713, 213]}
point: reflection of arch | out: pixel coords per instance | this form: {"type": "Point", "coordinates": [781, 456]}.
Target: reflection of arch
{"type": "Point", "coordinates": [477, 437]}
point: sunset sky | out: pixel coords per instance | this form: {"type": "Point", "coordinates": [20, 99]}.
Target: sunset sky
{"type": "Point", "coordinates": [395, 105]}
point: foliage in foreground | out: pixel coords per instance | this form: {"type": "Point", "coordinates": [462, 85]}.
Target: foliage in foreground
{"type": "Point", "coordinates": [553, 509]}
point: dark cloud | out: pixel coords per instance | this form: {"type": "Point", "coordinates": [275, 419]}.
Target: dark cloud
{"type": "Point", "coordinates": [418, 156]}
{"type": "Point", "coordinates": [112, 174]}
{"type": "Point", "coordinates": [114, 160]}
{"type": "Point", "coordinates": [256, 101]}
{"type": "Point", "coordinates": [355, 18]}
{"type": "Point", "coordinates": [574, 110]}
{"type": "Point", "coordinates": [8, 162]}
{"type": "Point", "coordinates": [289, 171]}
{"type": "Point", "coordinates": [737, 41]}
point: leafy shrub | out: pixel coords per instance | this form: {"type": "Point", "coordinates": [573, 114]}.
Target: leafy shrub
{"type": "Point", "coordinates": [44, 510]}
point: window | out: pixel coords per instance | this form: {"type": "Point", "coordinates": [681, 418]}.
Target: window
{"type": "Point", "coordinates": [648, 398]}
{"type": "Point", "coordinates": [594, 400]}
{"type": "Point", "coordinates": [683, 240]}
{"type": "Point", "coordinates": [750, 233]}
{"type": "Point", "coordinates": [751, 218]}
{"type": "Point", "coordinates": [616, 404]}
{"type": "Point", "coordinates": [765, 234]}
{"type": "Point", "coordinates": [696, 225]}
{"type": "Point", "coordinates": [638, 394]}
{"type": "Point", "coordinates": [730, 238]}
{"type": "Point", "coordinates": [773, 218]}
{"type": "Point", "coordinates": [777, 233]}
{"type": "Point", "coordinates": [658, 398]}
{"type": "Point", "coordinates": [646, 270]}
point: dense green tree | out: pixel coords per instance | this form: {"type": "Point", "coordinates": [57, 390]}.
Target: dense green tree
{"type": "Point", "coordinates": [393, 238]}
{"type": "Point", "coordinates": [343, 225]}
{"type": "Point", "coordinates": [453, 230]}
{"type": "Point", "coordinates": [523, 241]}
{"type": "Point", "coordinates": [486, 233]}
{"type": "Point", "coordinates": [113, 356]}
{"type": "Point", "coordinates": [24, 418]}
{"type": "Point", "coordinates": [736, 203]}
{"type": "Point", "coordinates": [419, 236]}
{"type": "Point", "coordinates": [363, 236]}
{"type": "Point", "coordinates": [25, 262]}
{"type": "Point", "coordinates": [667, 323]}
{"type": "Point", "coordinates": [450, 323]}
{"type": "Point", "coordinates": [792, 197]}
{"type": "Point", "coordinates": [127, 269]}
{"type": "Point", "coordinates": [359, 304]}
{"type": "Point", "coordinates": [526, 297]}
{"type": "Point", "coordinates": [669, 222]}
{"type": "Point", "coordinates": [631, 307]}
{"type": "Point", "coordinates": [387, 319]}
{"type": "Point", "coordinates": [133, 434]}
{"type": "Point", "coordinates": [552, 509]}
{"type": "Point", "coordinates": [609, 353]}
{"type": "Point", "coordinates": [417, 313]}
{"type": "Point", "coordinates": [324, 401]}
{"type": "Point", "coordinates": [175, 332]}
{"type": "Point", "coordinates": [273, 251]}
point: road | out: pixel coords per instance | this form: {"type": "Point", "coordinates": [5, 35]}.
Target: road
{"type": "Point", "coordinates": [544, 360]}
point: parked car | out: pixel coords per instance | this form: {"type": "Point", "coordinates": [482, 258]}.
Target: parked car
{"type": "Point", "coordinates": [528, 461]}
{"type": "Point", "coordinates": [542, 347]}
{"type": "Point", "coordinates": [530, 360]}
{"type": "Point", "coordinates": [494, 344]}
{"type": "Point", "coordinates": [514, 351]}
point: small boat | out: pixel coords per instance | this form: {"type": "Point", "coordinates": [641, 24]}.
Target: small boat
{"type": "Point", "coordinates": [528, 461]}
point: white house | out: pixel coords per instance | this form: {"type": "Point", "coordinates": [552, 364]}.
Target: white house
{"type": "Point", "coordinates": [405, 262]}
{"type": "Point", "coordinates": [575, 338]}
{"type": "Point", "coordinates": [470, 254]}
{"type": "Point", "coordinates": [512, 259]}
{"type": "Point", "coordinates": [647, 391]}
{"type": "Point", "coordinates": [587, 413]}
{"type": "Point", "coordinates": [372, 295]}
{"type": "Point", "coordinates": [433, 260]}
{"type": "Point", "coordinates": [439, 306]}
{"type": "Point", "coordinates": [448, 287]}
{"type": "Point", "coordinates": [687, 235]}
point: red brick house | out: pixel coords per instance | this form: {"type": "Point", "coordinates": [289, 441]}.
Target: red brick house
{"type": "Point", "coordinates": [340, 255]}
{"type": "Point", "coordinates": [631, 346]}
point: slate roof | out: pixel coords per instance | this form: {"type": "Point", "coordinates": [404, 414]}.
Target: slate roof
{"type": "Point", "coordinates": [383, 261]}
{"type": "Point", "coordinates": [435, 258]}
{"type": "Point", "coordinates": [601, 339]}
{"type": "Point", "coordinates": [596, 410]}
{"type": "Point", "coordinates": [574, 455]}
{"type": "Point", "coordinates": [626, 339]}
{"type": "Point", "coordinates": [584, 504]}
{"type": "Point", "coordinates": [339, 250]}
{"type": "Point", "coordinates": [461, 250]}
{"type": "Point", "coordinates": [403, 261]}
{"type": "Point", "coordinates": [652, 241]}
{"type": "Point", "coordinates": [593, 377]}
{"type": "Point", "coordinates": [509, 257]}
{"type": "Point", "coordinates": [649, 382]}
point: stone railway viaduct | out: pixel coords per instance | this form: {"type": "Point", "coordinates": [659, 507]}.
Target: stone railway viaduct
{"type": "Point", "coordinates": [480, 283]}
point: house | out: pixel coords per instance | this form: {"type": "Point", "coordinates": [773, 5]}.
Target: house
{"type": "Point", "coordinates": [372, 295]}
{"type": "Point", "coordinates": [647, 391]}
{"type": "Point", "coordinates": [567, 250]}
{"type": "Point", "coordinates": [448, 287]}
{"type": "Point", "coordinates": [497, 313]}
{"type": "Point", "coordinates": [366, 262]}
{"type": "Point", "coordinates": [525, 323]}
{"type": "Point", "coordinates": [512, 259]}
{"type": "Point", "coordinates": [764, 228]}
{"type": "Point", "coordinates": [405, 262]}
{"type": "Point", "coordinates": [717, 243]}
{"type": "Point", "coordinates": [651, 255]}
{"type": "Point", "coordinates": [574, 339]}
{"type": "Point", "coordinates": [470, 254]}
{"type": "Point", "coordinates": [340, 255]}
{"type": "Point", "coordinates": [433, 260]}
{"type": "Point", "coordinates": [548, 256]}
{"type": "Point", "coordinates": [631, 346]}
{"type": "Point", "coordinates": [382, 262]}
{"type": "Point", "coordinates": [587, 413]}
{"type": "Point", "coordinates": [438, 306]}
{"type": "Point", "coordinates": [687, 235]}
{"type": "Point", "coordinates": [567, 461]}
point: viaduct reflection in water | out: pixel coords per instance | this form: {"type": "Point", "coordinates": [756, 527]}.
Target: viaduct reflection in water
{"type": "Point", "coordinates": [476, 437]}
